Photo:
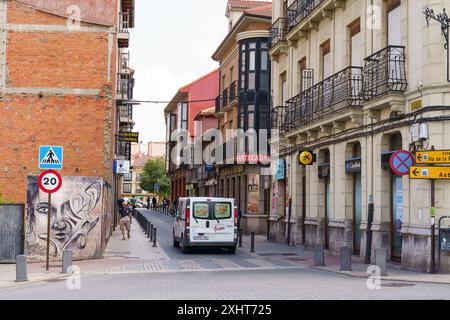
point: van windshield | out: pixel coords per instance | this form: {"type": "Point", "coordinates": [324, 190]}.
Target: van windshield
{"type": "Point", "coordinates": [201, 210]}
{"type": "Point", "coordinates": [222, 210]}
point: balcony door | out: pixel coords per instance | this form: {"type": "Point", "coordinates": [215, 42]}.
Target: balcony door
{"type": "Point", "coordinates": [394, 39]}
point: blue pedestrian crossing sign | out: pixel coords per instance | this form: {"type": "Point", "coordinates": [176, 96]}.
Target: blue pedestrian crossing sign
{"type": "Point", "coordinates": [51, 157]}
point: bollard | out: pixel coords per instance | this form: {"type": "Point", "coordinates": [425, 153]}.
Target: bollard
{"type": "Point", "coordinates": [252, 249]}
{"type": "Point", "coordinates": [151, 232]}
{"type": "Point", "coordinates": [148, 229]}
{"type": "Point", "coordinates": [346, 259]}
{"type": "Point", "coordinates": [21, 269]}
{"type": "Point", "coordinates": [154, 237]}
{"type": "Point", "coordinates": [381, 260]}
{"type": "Point", "coordinates": [240, 238]}
{"type": "Point", "coordinates": [319, 256]}
{"type": "Point", "coordinates": [66, 260]}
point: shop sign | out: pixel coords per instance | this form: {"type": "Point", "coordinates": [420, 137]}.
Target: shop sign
{"type": "Point", "coordinates": [353, 166]}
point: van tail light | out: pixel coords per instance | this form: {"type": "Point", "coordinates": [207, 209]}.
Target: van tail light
{"type": "Point", "coordinates": [235, 217]}
{"type": "Point", "coordinates": [188, 217]}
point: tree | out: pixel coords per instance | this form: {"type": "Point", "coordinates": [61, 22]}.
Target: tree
{"type": "Point", "coordinates": [155, 173]}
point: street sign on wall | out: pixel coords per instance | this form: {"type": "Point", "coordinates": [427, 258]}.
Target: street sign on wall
{"type": "Point", "coordinates": [401, 162]}
{"type": "Point", "coordinates": [306, 158]}
{"type": "Point", "coordinates": [432, 173]}
{"type": "Point", "coordinates": [433, 157]}
{"type": "Point", "coordinates": [51, 157]}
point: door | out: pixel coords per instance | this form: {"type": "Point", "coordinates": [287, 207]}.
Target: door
{"type": "Point", "coordinates": [396, 217]}
{"type": "Point", "coordinates": [201, 223]}
{"type": "Point", "coordinates": [357, 209]}
{"type": "Point", "coordinates": [11, 232]}
{"type": "Point", "coordinates": [179, 220]}
{"type": "Point", "coordinates": [223, 221]}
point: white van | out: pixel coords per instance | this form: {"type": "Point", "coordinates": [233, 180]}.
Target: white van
{"type": "Point", "coordinates": [206, 222]}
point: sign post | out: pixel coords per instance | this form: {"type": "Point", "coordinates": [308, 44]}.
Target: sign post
{"type": "Point", "coordinates": [49, 182]}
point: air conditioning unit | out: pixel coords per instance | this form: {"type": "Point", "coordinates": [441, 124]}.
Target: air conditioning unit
{"type": "Point", "coordinates": [423, 131]}
{"type": "Point", "coordinates": [415, 130]}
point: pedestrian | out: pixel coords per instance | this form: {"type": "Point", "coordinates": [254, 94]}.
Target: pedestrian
{"type": "Point", "coordinates": [154, 203]}
{"type": "Point", "coordinates": [148, 203]}
{"type": "Point", "coordinates": [126, 219]}
{"type": "Point", "coordinates": [239, 216]}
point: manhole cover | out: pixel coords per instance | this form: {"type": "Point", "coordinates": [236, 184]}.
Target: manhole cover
{"type": "Point", "coordinates": [397, 285]}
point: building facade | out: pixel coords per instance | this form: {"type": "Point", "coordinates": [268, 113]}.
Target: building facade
{"type": "Point", "coordinates": [58, 76]}
{"type": "Point", "coordinates": [244, 103]}
{"type": "Point", "coordinates": [350, 79]}
{"type": "Point", "coordinates": [180, 113]}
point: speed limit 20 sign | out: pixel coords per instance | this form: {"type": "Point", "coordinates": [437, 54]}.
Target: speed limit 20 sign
{"type": "Point", "coordinates": [50, 181]}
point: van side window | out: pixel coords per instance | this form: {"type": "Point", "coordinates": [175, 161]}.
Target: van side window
{"type": "Point", "coordinates": [222, 210]}
{"type": "Point", "coordinates": [181, 210]}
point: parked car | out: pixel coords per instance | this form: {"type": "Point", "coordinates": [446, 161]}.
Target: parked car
{"type": "Point", "coordinates": [206, 222]}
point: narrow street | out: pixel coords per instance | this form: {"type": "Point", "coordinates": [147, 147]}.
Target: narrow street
{"type": "Point", "coordinates": [135, 270]}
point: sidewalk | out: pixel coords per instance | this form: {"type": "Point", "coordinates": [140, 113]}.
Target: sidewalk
{"type": "Point", "coordinates": [299, 256]}
{"type": "Point", "coordinates": [119, 253]}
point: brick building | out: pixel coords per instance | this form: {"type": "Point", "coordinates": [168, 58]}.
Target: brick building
{"type": "Point", "coordinates": [58, 67]}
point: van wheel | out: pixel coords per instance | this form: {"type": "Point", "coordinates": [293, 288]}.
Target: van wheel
{"type": "Point", "coordinates": [184, 248]}
{"type": "Point", "coordinates": [176, 244]}
{"type": "Point", "coordinates": [232, 250]}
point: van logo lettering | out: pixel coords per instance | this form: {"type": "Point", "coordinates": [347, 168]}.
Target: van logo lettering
{"type": "Point", "coordinates": [218, 229]}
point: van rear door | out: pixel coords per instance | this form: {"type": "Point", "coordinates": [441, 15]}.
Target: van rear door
{"type": "Point", "coordinates": [223, 223]}
{"type": "Point", "coordinates": [201, 223]}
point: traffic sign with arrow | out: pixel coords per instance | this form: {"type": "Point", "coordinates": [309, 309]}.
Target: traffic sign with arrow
{"type": "Point", "coordinates": [431, 173]}
{"type": "Point", "coordinates": [433, 157]}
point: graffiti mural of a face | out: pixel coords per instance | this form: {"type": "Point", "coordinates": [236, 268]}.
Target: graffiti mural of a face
{"type": "Point", "coordinates": [75, 212]}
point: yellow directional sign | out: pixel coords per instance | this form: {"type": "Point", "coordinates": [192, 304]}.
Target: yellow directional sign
{"type": "Point", "coordinates": [433, 157]}
{"type": "Point", "coordinates": [431, 173]}
{"type": "Point", "coordinates": [306, 158]}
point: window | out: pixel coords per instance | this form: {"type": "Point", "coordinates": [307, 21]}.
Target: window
{"type": "Point", "coordinates": [127, 187]}
{"type": "Point", "coordinates": [182, 115]}
{"type": "Point", "coordinates": [355, 43]}
{"type": "Point", "coordinates": [326, 60]}
{"type": "Point", "coordinates": [138, 177]}
{"type": "Point", "coordinates": [128, 176]}
{"type": "Point", "coordinates": [284, 93]}
{"type": "Point", "coordinates": [394, 23]}
{"type": "Point", "coordinates": [201, 210]}
{"type": "Point", "coordinates": [222, 210]}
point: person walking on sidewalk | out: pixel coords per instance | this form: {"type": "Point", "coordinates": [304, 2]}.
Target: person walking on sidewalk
{"type": "Point", "coordinates": [126, 219]}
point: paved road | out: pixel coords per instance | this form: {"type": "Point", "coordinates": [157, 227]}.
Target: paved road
{"type": "Point", "coordinates": [235, 285]}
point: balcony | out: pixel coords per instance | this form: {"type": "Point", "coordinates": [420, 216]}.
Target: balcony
{"type": "Point", "coordinates": [227, 100]}
{"type": "Point", "coordinates": [124, 63]}
{"type": "Point", "coordinates": [123, 33]}
{"type": "Point", "coordinates": [125, 86]}
{"type": "Point", "coordinates": [277, 32]}
{"type": "Point", "coordinates": [278, 119]}
{"type": "Point", "coordinates": [338, 93]}
{"type": "Point", "coordinates": [125, 114]}
{"type": "Point", "coordinates": [385, 73]}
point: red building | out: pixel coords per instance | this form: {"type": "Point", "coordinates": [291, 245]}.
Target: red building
{"type": "Point", "coordinates": [180, 113]}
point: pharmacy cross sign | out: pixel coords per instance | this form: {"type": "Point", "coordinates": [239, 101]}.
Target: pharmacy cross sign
{"type": "Point", "coordinates": [401, 162]}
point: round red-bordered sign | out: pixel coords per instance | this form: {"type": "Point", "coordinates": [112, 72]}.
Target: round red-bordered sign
{"type": "Point", "coordinates": [401, 162]}
{"type": "Point", "coordinates": [50, 181]}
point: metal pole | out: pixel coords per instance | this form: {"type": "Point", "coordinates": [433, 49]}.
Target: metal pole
{"type": "Point", "coordinates": [368, 257]}
{"type": "Point", "coordinates": [289, 223]}
{"type": "Point", "coordinates": [252, 249]}
{"type": "Point", "coordinates": [240, 238]}
{"type": "Point", "coordinates": [151, 232]}
{"type": "Point", "coordinates": [49, 213]}
{"type": "Point", "coordinates": [154, 237]}
{"type": "Point", "coordinates": [433, 225]}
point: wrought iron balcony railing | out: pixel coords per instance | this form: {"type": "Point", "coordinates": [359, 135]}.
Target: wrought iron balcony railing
{"type": "Point", "coordinates": [124, 22]}
{"type": "Point", "coordinates": [225, 98]}
{"type": "Point", "coordinates": [299, 10]}
{"type": "Point", "coordinates": [335, 94]}
{"type": "Point", "coordinates": [218, 104]}
{"type": "Point", "coordinates": [385, 72]}
{"type": "Point", "coordinates": [233, 92]}
{"type": "Point", "coordinates": [278, 119]}
{"type": "Point", "coordinates": [277, 32]}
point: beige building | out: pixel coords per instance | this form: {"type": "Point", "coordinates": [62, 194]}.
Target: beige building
{"type": "Point", "coordinates": [244, 103]}
{"type": "Point", "coordinates": [351, 81]}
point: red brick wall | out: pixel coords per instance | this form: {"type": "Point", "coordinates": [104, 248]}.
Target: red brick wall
{"type": "Point", "coordinates": [82, 123]}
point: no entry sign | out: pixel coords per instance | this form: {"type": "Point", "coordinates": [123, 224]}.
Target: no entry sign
{"type": "Point", "coordinates": [401, 162]}
{"type": "Point", "coordinates": [50, 181]}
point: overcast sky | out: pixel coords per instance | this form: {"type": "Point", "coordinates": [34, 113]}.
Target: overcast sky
{"type": "Point", "coordinates": [171, 45]}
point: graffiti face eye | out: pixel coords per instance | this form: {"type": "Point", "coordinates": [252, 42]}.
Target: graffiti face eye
{"type": "Point", "coordinates": [42, 208]}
